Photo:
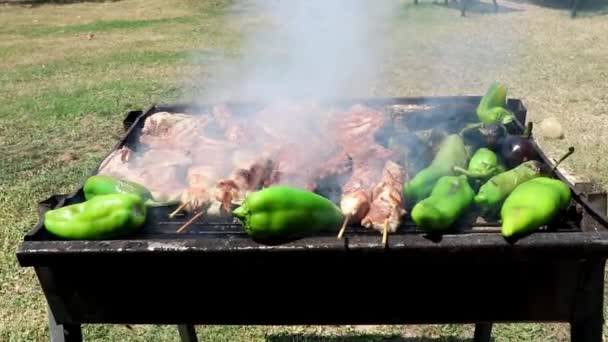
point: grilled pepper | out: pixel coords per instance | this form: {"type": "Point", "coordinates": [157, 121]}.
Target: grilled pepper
{"type": "Point", "coordinates": [103, 185]}
{"type": "Point", "coordinates": [492, 106]}
{"type": "Point", "coordinates": [285, 212]}
{"type": "Point", "coordinates": [450, 197]}
{"type": "Point", "coordinates": [484, 163]}
{"type": "Point", "coordinates": [492, 193]}
{"type": "Point", "coordinates": [451, 153]}
{"type": "Point", "coordinates": [533, 204]}
{"type": "Point", "coordinates": [101, 217]}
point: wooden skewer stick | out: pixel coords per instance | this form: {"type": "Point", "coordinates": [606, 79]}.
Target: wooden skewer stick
{"type": "Point", "coordinates": [343, 228]}
{"type": "Point", "coordinates": [176, 211]}
{"type": "Point", "coordinates": [191, 221]}
{"type": "Point", "coordinates": [385, 234]}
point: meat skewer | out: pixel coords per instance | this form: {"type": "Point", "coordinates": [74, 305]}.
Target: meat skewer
{"type": "Point", "coordinates": [357, 193]}
{"type": "Point", "coordinates": [242, 181]}
{"type": "Point", "coordinates": [386, 209]}
{"type": "Point", "coordinates": [196, 196]}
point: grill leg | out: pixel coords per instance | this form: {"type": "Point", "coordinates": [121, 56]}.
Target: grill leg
{"type": "Point", "coordinates": [483, 332]}
{"type": "Point", "coordinates": [586, 331]}
{"type": "Point", "coordinates": [187, 333]}
{"type": "Point", "coordinates": [63, 332]}
{"type": "Point", "coordinates": [588, 316]}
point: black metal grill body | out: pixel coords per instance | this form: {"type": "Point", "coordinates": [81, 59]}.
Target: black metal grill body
{"type": "Point", "coordinates": [215, 274]}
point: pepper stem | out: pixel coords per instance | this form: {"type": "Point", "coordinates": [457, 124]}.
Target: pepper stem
{"type": "Point", "coordinates": [528, 130]}
{"type": "Point", "coordinates": [564, 157]}
{"type": "Point", "coordinates": [470, 127]}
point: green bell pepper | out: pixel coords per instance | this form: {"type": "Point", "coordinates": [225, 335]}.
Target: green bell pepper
{"type": "Point", "coordinates": [452, 152]}
{"type": "Point", "coordinates": [287, 212]}
{"type": "Point", "coordinates": [484, 163]}
{"type": "Point", "coordinates": [532, 204]}
{"type": "Point", "coordinates": [103, 185]}
{"type": "Point", "coordinates": [492, 106]}
{"type": "Point", "coordinates": [450, 197]}
{"type": "Point", "coordinates": [101, 217]}
{"type": "Point", "coordinates": [492, 193]}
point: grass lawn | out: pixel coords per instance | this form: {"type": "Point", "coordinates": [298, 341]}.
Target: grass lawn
{"type": "Point", "coordinates": [68, 74]}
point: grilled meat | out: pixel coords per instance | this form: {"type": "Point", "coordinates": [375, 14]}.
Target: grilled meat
{"type": "Point", "coordinates": [183, 132]}
{"type": "Point", "coordinates": [195, 198]}
{"type": "Point", "coordinates": [386, 207]}
{"type": "Point", "coordinates": [356, 131]}
{"type": "Point", "coordinates": [200, 180]}
{"type": "Point", "coordinates": [117, 163]}
{"type": "Point", "coordinates": [233, 130]}
{"type": "Point", "coordinates": [357, 192]}
{"type": "Point", "coordinates": [242, 181]}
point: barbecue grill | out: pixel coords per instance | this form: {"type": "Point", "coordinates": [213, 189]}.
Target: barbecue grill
{"type": "Point", "coordinates": [213, 273]}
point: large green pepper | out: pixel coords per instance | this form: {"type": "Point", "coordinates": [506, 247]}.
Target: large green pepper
{"type": "Point", "coordinates": [451, 153]}
{"type": "Point", "coordinates": [491, 194]}
{"type": "Point", "coordinates": [450, 197]}
{"type": "Point", "coordinates": [101, 217]}
{"type": "Point", "coordinates": [533, 204]}
{"type": "Point", "coordinates": [104, 185]}
{"type": "Point", "coordinates": [492, 106]}
{"type": "Point", "coordinates": [287, 212]}
{"type": "Point", "coordinates": [484, 163]}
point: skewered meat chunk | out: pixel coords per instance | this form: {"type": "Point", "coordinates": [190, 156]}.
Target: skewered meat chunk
{"type": "Point", "coordinates": [357, 192]}
{"type": "Point", "coordinates": [195, 198]}
{"type": "Point", "coordinates": [235, 188]}
{"type": "Point", "coordinates": [200, 181]}
{"type": "Point", "coordinates": [386, 207]}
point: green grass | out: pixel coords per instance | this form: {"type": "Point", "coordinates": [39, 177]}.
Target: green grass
{"type": "Point", "coordinates": [96, 26]}
{"type": "Point", "coordinates": [65, 97]}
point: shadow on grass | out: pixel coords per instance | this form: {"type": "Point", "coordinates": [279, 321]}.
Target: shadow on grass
{"type": "Point", "coordinates": [479, 7]}
{"type": "Point", "coordinates": [472, 6]}
{"type": "Point", "coordinates": [54, 2]}
{"type": "Point", "coordinates": [586, 7]}
{"type": "Point", "coordinates": [358, 338]}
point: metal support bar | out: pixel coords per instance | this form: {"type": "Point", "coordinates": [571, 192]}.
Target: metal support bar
{"type": "Point", "coordinates": [187, 333]}
{"type": "Point", "coordinates": [63, 332]}
{"type": "Point", "coordinates": [483, 332]}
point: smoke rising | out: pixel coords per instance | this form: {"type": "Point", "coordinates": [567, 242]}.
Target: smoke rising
{"type": "Point", "coordinates": [308, 49]}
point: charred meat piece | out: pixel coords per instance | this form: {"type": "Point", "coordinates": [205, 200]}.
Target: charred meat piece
{"type": "Point", "coordinates": [386, 207]}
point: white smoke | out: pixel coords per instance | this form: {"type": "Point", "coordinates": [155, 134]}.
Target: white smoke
{"type": "Point", "coordinates": [309, 49]}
